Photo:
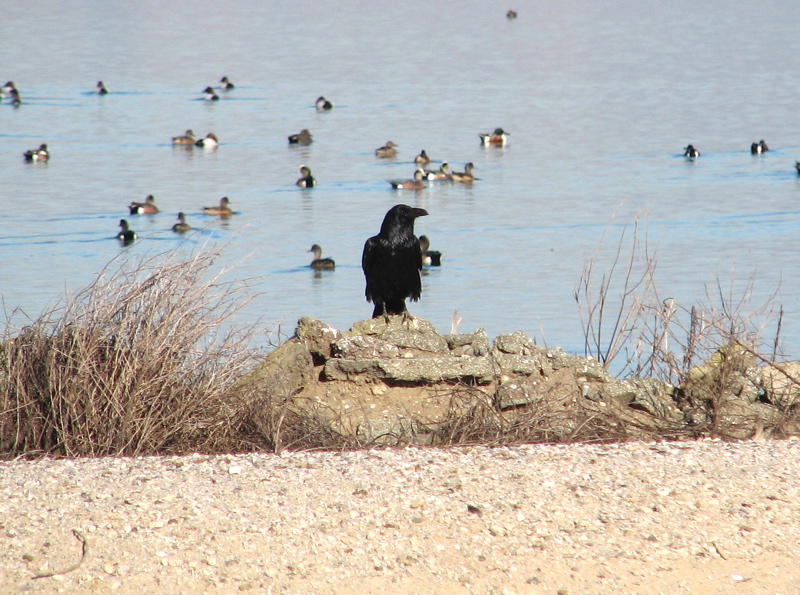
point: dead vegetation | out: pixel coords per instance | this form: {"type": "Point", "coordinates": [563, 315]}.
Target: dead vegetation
{"type": "Point", "coordinates": [714, 353]}
{"type": "Point", "coordinates": [145, 361]}
{"type": "Point", "coordinates": [137, 363]}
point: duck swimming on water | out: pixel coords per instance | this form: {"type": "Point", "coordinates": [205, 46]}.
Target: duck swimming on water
{"type": "Point", "coordinates": [422, 158]}
{"type": "Point", "coordinates": [148, 207]}
{"type": "Point", "coordinates": [415, 184]}
{"type": "Point", "coordinates": [307, 181]}
{"type": "Point", "coordinates": [691, 152]}
{"type": "Point", "coordinates": [387, 150]}
{"type": "Point", "coordinates": [465, 176]}
{"type": "Point", "coordinates": [126, 236]}
{"type": "Point", "coordinates": [301, 138]}
{"type": "Point", "coordinates": [323, 104]}
{"type": "Point", "coordinates": [430, 258]}
{"type": "Point", "coordinates": [209, 142]}
{"type": "Point", "coordinates": [443, 173]}
{"type": "Point", "coordinates": [759, 147]}
{"type": "Point", "coordinates": [320, 263]}
{"type": "Point", "coordinates": [223, 210]}
{"type": "Point", "coordinates": [181, 226]}
{"type": "Point", "coordinates": [186, 139]}
{"type": "Point", "coordinates": [209, 94]}
{"type": "Point", "coordinates": [498, 138]}
{"type": "Point", "coordinates": [40, 154]}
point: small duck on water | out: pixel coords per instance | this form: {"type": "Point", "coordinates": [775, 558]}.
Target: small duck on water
{"type": "Point", "coordinates": [691, 152]}
{"type": "Point", "coordinates": [320, 263]}
{"type": "Point", "coordinates": [387, 150]}
{"type": "Point", "coordinates": [10, 89]}
{"type": "Point", "coordinates": [430, 258]}
{"type": "Point", "coordinates": [307, 181]}
{"type": "Point", "coordinates": [415, 184]}
{"type": "Point", "coordinates": [465, 176]}
{"type": "Point", "coordinates": [223, 210]}
{"type": "Point", "coordinates": [323, 104]}
{"type": "Point", "coordinates": [40, 154]}
{"type": "Point", "coordinates": [498, 138]}
{"type": "Point", "coordinates": [443, 173]}
{"type": "Point", "coordinates": [759, 147]}
{"type": "Point", "coordinates": [209, 142]}
{"type": "Point", "coordinates": [186, 139]}
{"type": "Point", "coordinates": [422, 158]}
{"type": "Point", "coordinates": [126, 236]}
{"type": "Point", "coordinates": [210, 95]}
{"type": "Point", "coordinates": [101, 88]}
{"type": "Point", "coordinates": [226, 84]}
{"type": "Point", "coordinates": [301, 138]}
{"type": "Point", "coordinates": [148, 207]}
{"type": "Point", "coordinates": [181, 226]}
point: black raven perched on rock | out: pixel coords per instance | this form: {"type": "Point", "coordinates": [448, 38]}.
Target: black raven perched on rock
{"type": "Point", "coordinates": [392, 261]}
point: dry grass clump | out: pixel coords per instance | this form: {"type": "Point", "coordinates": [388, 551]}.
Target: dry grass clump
{"type": "Point", "coordinates": [137, 363]}
{"type": "Point", "coordinates": [476, 418]}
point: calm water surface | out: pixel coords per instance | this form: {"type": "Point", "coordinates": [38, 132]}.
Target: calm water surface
{"type": "Point", "coordinates": [600, 100]}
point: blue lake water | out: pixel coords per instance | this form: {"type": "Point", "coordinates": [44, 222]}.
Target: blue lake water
{"type": "Point", "coordinates": [600, 99]}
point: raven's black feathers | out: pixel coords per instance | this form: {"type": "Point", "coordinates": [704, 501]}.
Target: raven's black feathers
{"type": "Point", "coordinates": [392, 261]}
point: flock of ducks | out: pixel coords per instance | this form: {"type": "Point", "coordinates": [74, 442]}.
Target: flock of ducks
{"type": "Point", "coordinates": [498, 138]}
{"type": "Point", "coordinates": [127, 236]}
{"type": "Point", "coordinates": [759, 148]}
{"type": "Point", "coordinates": [691, 152]}
{"type": "Point", "coordinates": [210, 94]}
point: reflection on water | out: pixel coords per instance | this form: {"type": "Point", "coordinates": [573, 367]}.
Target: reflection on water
{"type": "Point", "coordinates": [600, 102]}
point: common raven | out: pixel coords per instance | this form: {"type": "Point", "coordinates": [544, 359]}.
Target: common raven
{"type": "Point", "coordinates": [392, 261]}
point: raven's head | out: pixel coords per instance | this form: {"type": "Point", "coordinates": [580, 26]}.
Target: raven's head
{"type": "Point", "coordinates": [401, 217]}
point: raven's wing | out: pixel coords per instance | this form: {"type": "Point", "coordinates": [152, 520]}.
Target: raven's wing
{"type": "Point", "coordinates": [368, 260]}
{"type": "Point", "coordinates": [410, 263]}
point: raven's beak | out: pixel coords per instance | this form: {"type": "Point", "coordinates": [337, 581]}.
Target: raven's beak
{"type": "Point", "coordinates": [418, 212]}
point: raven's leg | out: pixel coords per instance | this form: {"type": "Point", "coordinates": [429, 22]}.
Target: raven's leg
{"type": "Point", "coordinates": [407, 316]}
{"type": "Point", "coordinates": [379, 310]}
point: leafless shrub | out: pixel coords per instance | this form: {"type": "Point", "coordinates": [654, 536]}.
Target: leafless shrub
{"type": "Point", "coordinates": [137, 363]}
{"type": "Point", "coordinates": [624, 318]}
{"type": "Point", "coordinates": [709, 349]}
{"type": "Point", "coordinates": [610, 321]}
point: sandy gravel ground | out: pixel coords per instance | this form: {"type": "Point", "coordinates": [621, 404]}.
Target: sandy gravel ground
{"type": "Point", "coordinates": [696, 517]}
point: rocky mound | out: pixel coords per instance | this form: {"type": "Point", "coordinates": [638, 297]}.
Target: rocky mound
{"type": "Point", "coordinates": [401, 382]}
